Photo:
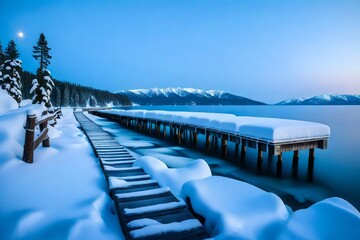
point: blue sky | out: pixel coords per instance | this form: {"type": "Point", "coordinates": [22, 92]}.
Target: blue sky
{"type": "Point", "coordinates": [264, 50]}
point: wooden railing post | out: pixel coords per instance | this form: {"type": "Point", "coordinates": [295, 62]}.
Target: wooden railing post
{"type": "Point", "coordinates": [46, 141]}
{"type": "Point", "coordinates": [28, 153]}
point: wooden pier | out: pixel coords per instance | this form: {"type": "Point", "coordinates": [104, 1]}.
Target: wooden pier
{"type": "Point", "coordinates": [180, 131]}
{"type": "Point", "coordinates": [145, 209]}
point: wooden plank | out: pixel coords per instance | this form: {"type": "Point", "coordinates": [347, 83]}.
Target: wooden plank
{"type": "Point", "coordinates": [147, 202]}
{"type": "Point", "coordinates": [41, 137]}
{"type": "Point", "coordinates": [136, 188]}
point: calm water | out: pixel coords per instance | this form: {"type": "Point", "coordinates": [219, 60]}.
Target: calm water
{"type": "Point", "coordinates": [337, 169]}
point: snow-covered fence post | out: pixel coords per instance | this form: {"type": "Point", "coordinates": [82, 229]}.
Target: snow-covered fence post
{"type": "Point", "coordinates": [46, 141]}
{"type": "Point", "coordinates": [29, 137]}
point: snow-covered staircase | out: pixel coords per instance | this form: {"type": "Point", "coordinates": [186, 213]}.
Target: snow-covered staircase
{"type": "Point", "coordinates": [145, 209]}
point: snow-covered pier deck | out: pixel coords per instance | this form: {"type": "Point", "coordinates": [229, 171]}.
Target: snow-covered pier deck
{"type": "Point", "coordinates": [145, 209]}
{"type": "Point", "coordinates": [271, 135]}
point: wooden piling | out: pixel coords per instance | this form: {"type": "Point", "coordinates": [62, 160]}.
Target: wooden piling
{"type": "Point", "coordinates": [259, 160]}
{"type": "Point", "coordinates": [195, 138]}
{"type": "Point", "coordinates": [311, 164]}
{"type": "Point", "coordinates": [28, 153]}
{"type": "Point", "coordinates": [295, 164]}
{"type": "Point", "coordinates": [236, 151]}
{"type": "Point", "coordinates": [279, 165]}
{"type": "Point", "coordinates": [164, 131]}
{"type": "Point", "coordinates": [224, 146]}
{"type": "Point", "coordinates": [243, 151]}
{"type": "Point", "coordinates": [207, 141]}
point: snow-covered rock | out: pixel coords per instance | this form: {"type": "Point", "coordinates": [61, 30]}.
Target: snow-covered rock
{"type": "Point", "coordinates": [236, 210]}
{"type": "Point", "coordinates": [332, 218]}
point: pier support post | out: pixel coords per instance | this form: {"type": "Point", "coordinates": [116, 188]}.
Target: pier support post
{"type": "Point", "coordinates": [243, 151]}
{"type": "Point", "coordinates": [164, 131]}
{"type": "Point", "coordinates": [216, 144]}
{"type": "Point", "coordinates": [207, 141]}
{"type": "Point", "coordinates": [311, 164]}
{"type": "Point", "coordinates": [171, 129]}
{"type": "Point", "coordinates": [259, 160]}
{"type": "Point", "coordinates": [236, 151]}
{"type": "Point", "coordinates": [157, 129]}
{"type": "Point", "coordinates": [180, 133]}
{"type": "Point", "coordinates": [195, 138]}
{"type": "Point", "coordinates": [295, 165]}
{"type": "Point", "coordinates": [224, 145]}
{"type": "Point", "coordinates": [279, 165]}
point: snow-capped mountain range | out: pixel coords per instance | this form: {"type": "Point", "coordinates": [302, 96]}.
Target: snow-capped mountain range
{"type": "Point", "coordinates": [185, 96]}
{"type": "Point", "coordinates": [334, 99]}
{"type": "Point", "coordinates": [192, 96]}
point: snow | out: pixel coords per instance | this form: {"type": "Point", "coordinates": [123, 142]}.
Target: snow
{"type": "Point", "coordinates": [7, 103]}
{"type": "Point", "coordinates": [115, 182]}
{"type": "Point", "coordinates": [274, 130]}
{"type": "Point", "coordinates": [111, 168]}
{"type": "Point", "coordinates": [332, 218]}
{"type": "Point", "coordinates": [155, 228]}
{"type": "Point", "coordinates": [154, 208]}
{"type": "Point", "coordinates": [282, 130]}
{"type": "Point", "coordinates": [61, 195]}
{"type": "Point", "coordinates": [150, 192]}
{"type": "Point", "coordinates": [177, 91]}
{"type": "Point", "coordinates": [174, 178]}
{"type": "Point", "coordinates": [236, 210]}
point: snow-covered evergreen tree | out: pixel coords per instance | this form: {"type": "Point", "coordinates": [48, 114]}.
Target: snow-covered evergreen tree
{"type": "Point", "coordinates": [43, 84]}
{"type": "Point", "coordinates": [41, 90]}
{"type": "Point", "coordinates": [10, 79]}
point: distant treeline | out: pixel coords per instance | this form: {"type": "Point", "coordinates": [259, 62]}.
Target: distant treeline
{"type": "Point", "coordinates": [68, 94]}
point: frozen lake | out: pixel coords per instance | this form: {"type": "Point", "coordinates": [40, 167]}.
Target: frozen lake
{"type": "Point", "coordinates": [337, 169]}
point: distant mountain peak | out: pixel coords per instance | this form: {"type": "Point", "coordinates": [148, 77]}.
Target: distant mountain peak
{"type": "Point", "coordinates": [325, 99]}
{"type": "Point", "coordinates": [185, 96]}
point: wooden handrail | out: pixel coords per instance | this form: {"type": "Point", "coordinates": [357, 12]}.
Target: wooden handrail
{"type": "Point", "coordinates": [30, 144]}
{"type": "Point", "coordinates": [41, 137]}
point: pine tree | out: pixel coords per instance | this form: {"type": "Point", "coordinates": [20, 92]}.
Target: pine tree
{"type": "Point", "coordinates": [43, 84]}
{"type": "Point", "coordinates": [2, 55]}
{"type": "Point", "coordinates": [11, 53]}
{"type": "Point", "coordinates": [41, 52]}
{"type": "Point", "coordinates": [2, 59]}
{"type": "Point", "coordinates": [10, 79]}
{"type": "Point", "coordinates": [66, 97]}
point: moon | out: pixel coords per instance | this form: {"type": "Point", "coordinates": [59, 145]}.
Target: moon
{"type": "Point", "coordinates": [20, 34]}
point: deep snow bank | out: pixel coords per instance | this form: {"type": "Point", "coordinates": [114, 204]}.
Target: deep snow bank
{"type": "Point", "coordinates": [61, 195]}
{"type": "Point", "coordinates": [236, 210]}
{"type": "Point", "coordinates": [174, 178]}
{"type": "Point", "coordinates": [7, 103]}
{"type": "Point", "coordinates": [332, 218]}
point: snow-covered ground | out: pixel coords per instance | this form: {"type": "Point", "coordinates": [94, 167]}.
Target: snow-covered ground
{"type": "Point", "coordinates": [62, 195]}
